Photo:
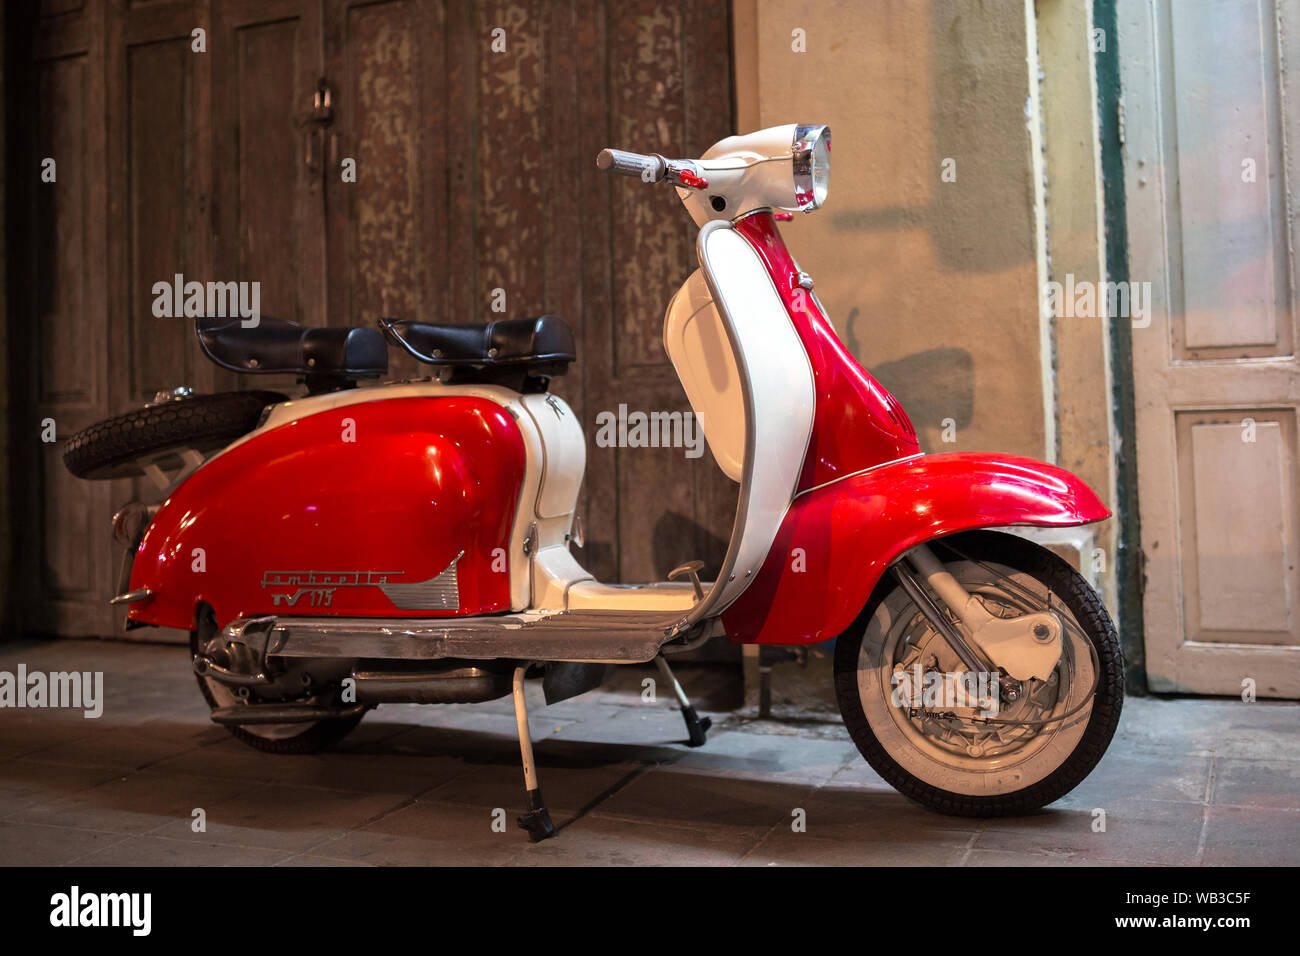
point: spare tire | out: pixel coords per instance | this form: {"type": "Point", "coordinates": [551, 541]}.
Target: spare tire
{"type": "Point", "coordinates": [115, 447]}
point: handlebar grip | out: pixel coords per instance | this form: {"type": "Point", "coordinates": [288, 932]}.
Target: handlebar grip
{"type": "Point", "coordinates": [651, 169]}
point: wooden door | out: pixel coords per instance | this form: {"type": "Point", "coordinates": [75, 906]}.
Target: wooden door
{"type": "Point", "coordinates": [668, 92]}
{"type": "Point", "coordinates": [473, 127]}
{"type": "Point", "coordinates": [58, 314]}
{"type": "Point", "coordinates": [1211, 126]}
{"type": "Point", "coordinates": [268, 169]}
{"type": "Point", "coordinates": [175, 153]}
{"type": "Point", "coordinates": [159, 164]}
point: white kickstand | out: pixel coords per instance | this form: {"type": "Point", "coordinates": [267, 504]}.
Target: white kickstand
{"type": "Point", "coordinates": [696, 726]}
{"type": "Point", "coordinates": [537, 821]}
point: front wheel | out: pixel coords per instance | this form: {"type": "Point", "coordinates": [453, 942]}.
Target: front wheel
{"type": "Point", "coordinates": [1036, 742]}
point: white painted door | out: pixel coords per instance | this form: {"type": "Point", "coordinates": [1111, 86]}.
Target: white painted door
{"type": "Point", "coordinates": [1211, 124]}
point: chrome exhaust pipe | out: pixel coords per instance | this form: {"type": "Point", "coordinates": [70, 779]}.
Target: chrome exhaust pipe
{"type": "Point", "coordinates": [464, 685]}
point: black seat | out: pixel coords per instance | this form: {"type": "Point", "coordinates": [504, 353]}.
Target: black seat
{"type": "Point", "coordinates": [500, 351]}
{"type": "Point", "coordinates": [326, 357]}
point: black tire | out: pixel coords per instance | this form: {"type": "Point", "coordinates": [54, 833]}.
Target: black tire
{"type": "Point", "coordinates": [1091, 615]}
{"type": "Point", "coordinates": [113, 448]}
{"type": "Point", "coordinates": [313, 738]}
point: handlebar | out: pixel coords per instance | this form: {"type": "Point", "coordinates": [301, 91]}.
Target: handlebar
{"type": "Point", "coordinates": [650, 168]}
{"type": "Point", "coordinates": [621, 162]}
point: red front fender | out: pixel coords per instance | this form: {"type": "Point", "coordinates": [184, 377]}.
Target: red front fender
{"type": "Point", "coordinates": [837, 540]}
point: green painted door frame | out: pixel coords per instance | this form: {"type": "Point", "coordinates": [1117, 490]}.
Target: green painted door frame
{"type": "Point", "coordinates": [1128, 560]}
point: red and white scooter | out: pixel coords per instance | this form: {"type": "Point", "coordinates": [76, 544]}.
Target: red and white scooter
{"type": "Point", "coordinates": [410, 542]}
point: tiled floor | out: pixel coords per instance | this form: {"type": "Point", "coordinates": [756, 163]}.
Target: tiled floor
{"type": "Point", "coordinates": [1195, 782]}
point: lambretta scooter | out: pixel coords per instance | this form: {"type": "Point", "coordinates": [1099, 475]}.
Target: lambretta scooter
{"type": "Point", "coordinates": [410, 542]}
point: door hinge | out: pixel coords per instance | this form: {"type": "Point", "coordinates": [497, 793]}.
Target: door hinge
{"type": "Point", "coordinates": [1120, 119]}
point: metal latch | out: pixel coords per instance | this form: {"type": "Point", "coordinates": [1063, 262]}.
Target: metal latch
{"type": "Point", "coordinates": [320, 116]}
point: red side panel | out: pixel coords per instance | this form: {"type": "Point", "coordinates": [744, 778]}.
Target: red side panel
{"type": "Point", "coordinates": [857, 424]}
{"type": "Point", "coordinates": [303, 521]}
{"type": "Point", "coordinates": [849, 532]}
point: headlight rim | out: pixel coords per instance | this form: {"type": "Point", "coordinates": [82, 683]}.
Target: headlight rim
{"type": "Point", "coordinates": [803, 152]}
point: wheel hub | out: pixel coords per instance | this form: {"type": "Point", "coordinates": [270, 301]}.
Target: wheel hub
{"type": "Point", "coordinates": [964, 730]}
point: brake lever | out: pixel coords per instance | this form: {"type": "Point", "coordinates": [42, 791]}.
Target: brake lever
{"type": "Point", "coordinates": [682, 173]}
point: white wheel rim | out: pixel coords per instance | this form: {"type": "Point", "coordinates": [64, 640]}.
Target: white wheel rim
{"type": "Point", "coordinates": [1011, 768]}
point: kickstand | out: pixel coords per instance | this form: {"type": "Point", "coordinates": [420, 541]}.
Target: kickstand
{"type": "Point", "coordinates": [537, 821]}
{"type": "Point", "coordinates": [696, 726]}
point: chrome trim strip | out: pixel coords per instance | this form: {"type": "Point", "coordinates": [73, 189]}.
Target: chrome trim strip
{"type": "Point", "coordinates": [770, 210]}
{"type": "Point", "coordinates": [438, 593]}
{"type": "Point", "coordinates": [854, 474]}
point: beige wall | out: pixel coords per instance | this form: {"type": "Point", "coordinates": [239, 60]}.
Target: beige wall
{"type": "Point", "coordinates": [935, 285]}
{"type": "Point", "coordinates": [931, 284]}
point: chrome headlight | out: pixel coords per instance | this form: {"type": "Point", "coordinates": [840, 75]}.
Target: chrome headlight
{"type": "Point", "coordinates": [812, 165]}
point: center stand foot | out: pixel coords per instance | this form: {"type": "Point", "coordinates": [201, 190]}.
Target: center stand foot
{"type": "Point", "coordinates": [697, 727]}
{"type": "Point", "coordinates": [537, 821]}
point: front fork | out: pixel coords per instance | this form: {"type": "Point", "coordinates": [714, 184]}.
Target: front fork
{"type": "Point", "coordinates": [1023, 647]}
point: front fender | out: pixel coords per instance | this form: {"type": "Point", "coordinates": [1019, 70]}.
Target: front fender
{"type": "Point", "coordinates": [837, 540]}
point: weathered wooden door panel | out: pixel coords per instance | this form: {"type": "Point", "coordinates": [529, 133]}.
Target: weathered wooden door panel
{"type": "Point", "coordinates": [64, 555]}
{"type": "Point", "coordinates": [268, 216]}
{"type": "Point", "coordinates": [269, 225]}
{"type": "Point", "coordinates": [158, 89]}
{"type": "Point", "coordinates": [474, 127]}
{"type": "Point", "coordinates": [387, 222]}
{"type": "Point", "coordinates": [669, 92]}
{"type": "Point", "coordinates": [1211, 127]}
{"type": "Point", "coordinates": [159, 183]}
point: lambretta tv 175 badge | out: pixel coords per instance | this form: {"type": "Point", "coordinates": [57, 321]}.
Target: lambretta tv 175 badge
{"type": "Point", "coordinates": [438, 593]}
{"type": "Point", "coordinates": [318, 587]}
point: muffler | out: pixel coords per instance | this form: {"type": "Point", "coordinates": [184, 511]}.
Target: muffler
{"type": "Point", "coordinates": [461, 685]}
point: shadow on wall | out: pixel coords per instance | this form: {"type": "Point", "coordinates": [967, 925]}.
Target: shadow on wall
{"type": "Point", "coordinates": [927, 254]}
{"type": "Point", "coordinates": [678, 539]}
{"type": "Point", "coordinates": [936, 386]}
